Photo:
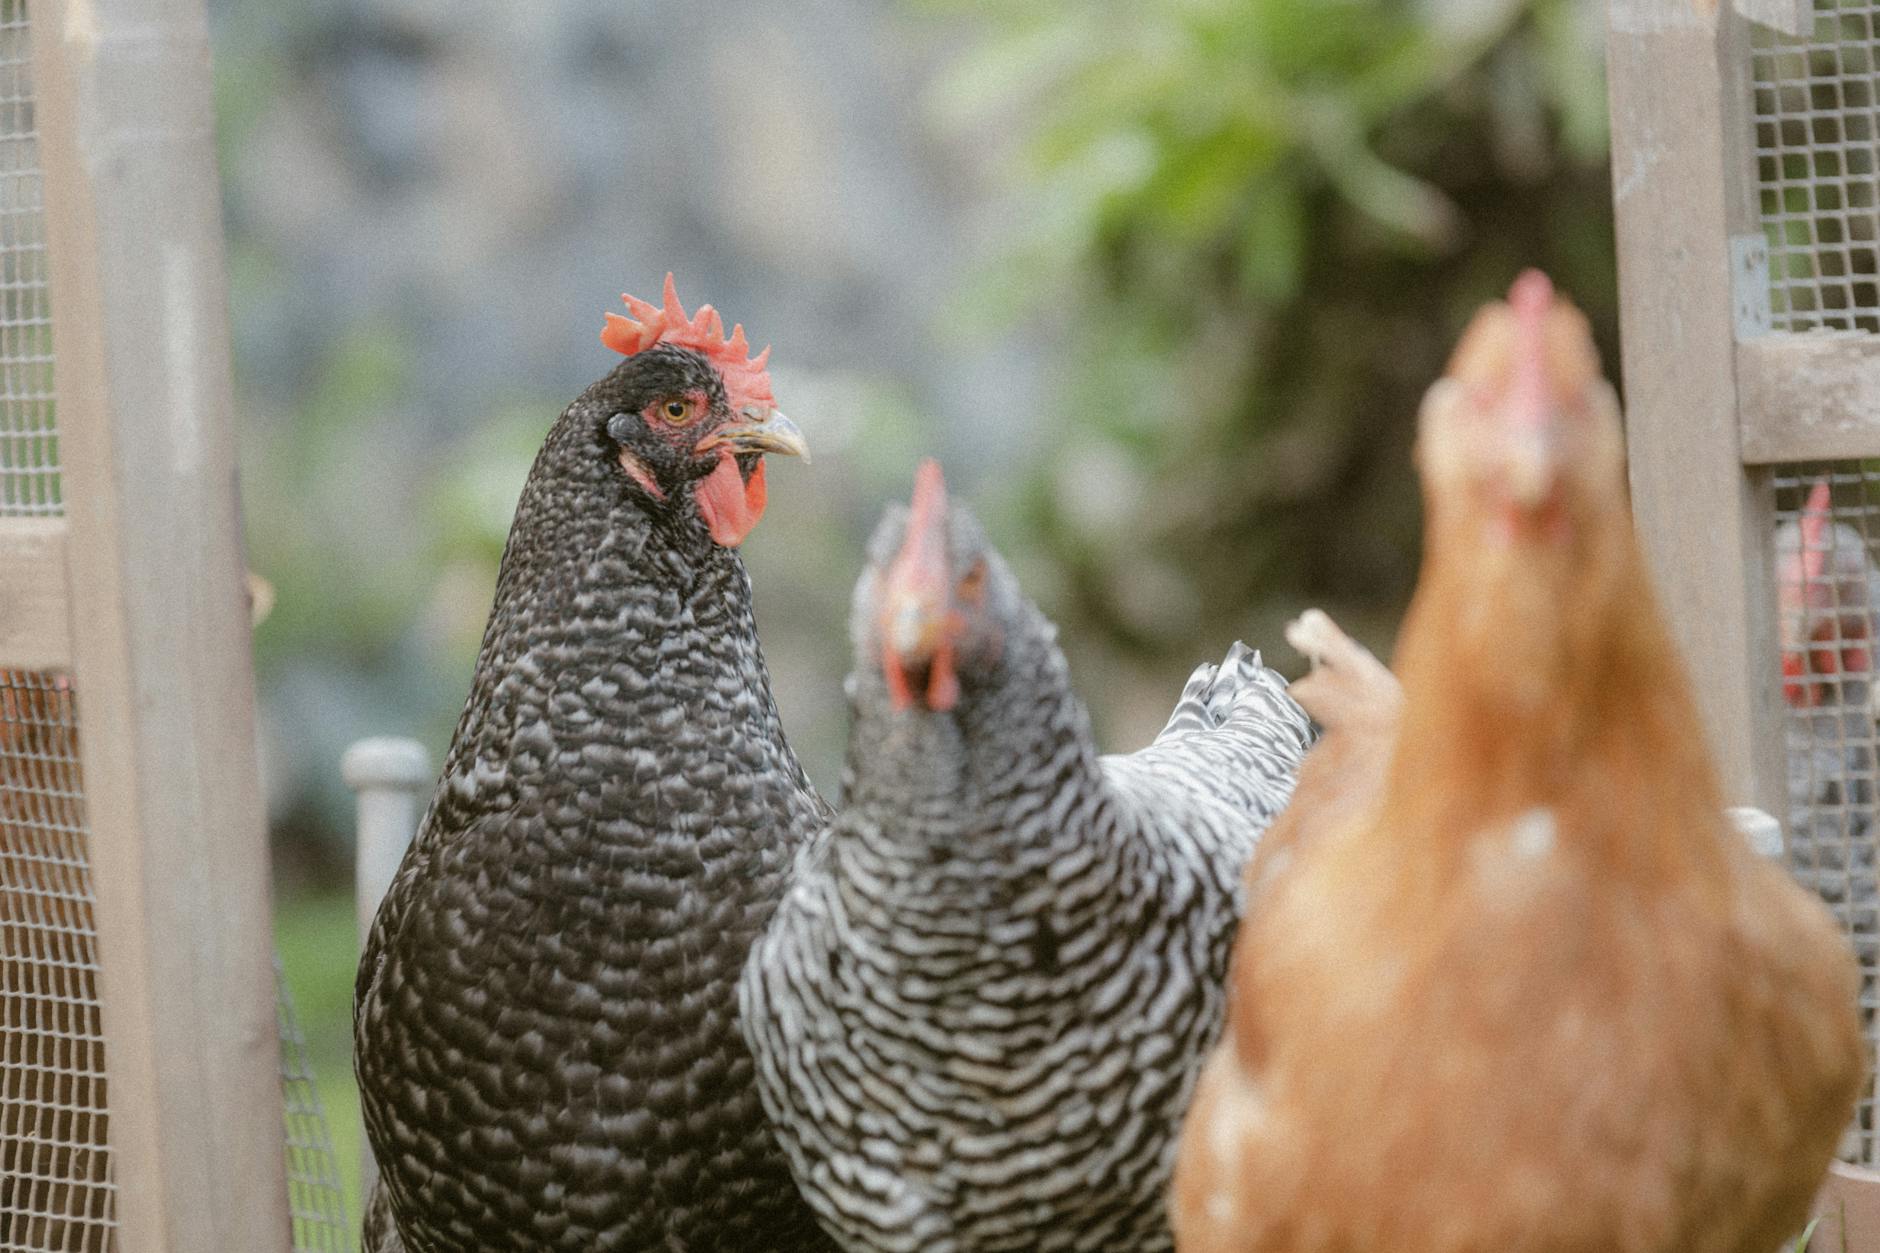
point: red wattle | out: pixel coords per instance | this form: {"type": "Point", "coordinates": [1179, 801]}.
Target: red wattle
{"type": "Point", "coordinates": [943, 685]}
{"type": "Point", "coordinates": [729, 505]}
{"type": "Point", "coordinates": [1798, 695]}
{"type": "Point", "coordinates": [900, 696]}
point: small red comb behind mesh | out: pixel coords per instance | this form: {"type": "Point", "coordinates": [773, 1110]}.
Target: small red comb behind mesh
{"type": "Point", "coordinates": [1815, 531]}
{"type": "Point", "coordinates": [746, 380]}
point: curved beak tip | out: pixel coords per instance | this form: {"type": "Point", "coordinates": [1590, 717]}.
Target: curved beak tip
{"type": "Point", "coordinates": [765, 431]}
{"type": "Point", "coordinates": [784, 436]}
{"type": "Point", "coordinates": [1530, 471]}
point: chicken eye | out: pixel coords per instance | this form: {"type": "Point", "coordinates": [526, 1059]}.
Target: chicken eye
{"type": "Point", "coordinates": [677, 411]}
{"type": "Point", "coordinates": [972, 588]}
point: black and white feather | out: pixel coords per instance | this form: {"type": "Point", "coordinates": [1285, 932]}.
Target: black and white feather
{"type": "Point", "coordinates": [545, 1020]}
{"type": "Point", "coordinates": [979, 1013]}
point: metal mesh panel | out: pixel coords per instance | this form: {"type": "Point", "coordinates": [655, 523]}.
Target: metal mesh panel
{"type": "Point", "coordinates": [56, 1189]}
{"type": "Point", "coordinates": [29, 446]}
{"type": "Point", "coordinates": [55, 1174]}
{"type": "Point", "coordinates": [315, 1197]}
{"type": "Point", "coordinates": [1814, 104]}
{"type": "Point", "coordinates": [1828, 586]}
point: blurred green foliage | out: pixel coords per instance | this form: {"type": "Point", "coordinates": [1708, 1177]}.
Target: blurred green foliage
{"type": "Point", "coordinates": [1252, 229]}
{"type": "Point", "coordinates": [1261, 224]}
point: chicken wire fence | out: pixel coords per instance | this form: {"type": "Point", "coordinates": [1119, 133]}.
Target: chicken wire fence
{"type": "Point", "coordinates": [57, 1191]}
{"type": "Point", "coordinates": [1813, 108]}
{"type": "Point", "coordinates": [55, 1176]}
{"type": "Point", "coordinates": [29, 454]}
{"type": "Point", "coordinates": [316, 1199]}
{"type": "Point", "coordinates": [1826, 541]}
{"type": "Point", "coordinates": [1815, 116]}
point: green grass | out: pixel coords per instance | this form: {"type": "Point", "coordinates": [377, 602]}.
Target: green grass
{"type": "Point", "coordinates": [1805, 1243]}
{"type": "Point", "coordinates": [319, 952]}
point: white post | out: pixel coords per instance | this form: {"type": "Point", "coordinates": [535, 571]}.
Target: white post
{"type": "Point", "coordinates": [392, 778]}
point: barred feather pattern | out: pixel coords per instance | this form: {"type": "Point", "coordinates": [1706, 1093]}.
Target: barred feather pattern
{"type": "Point", "coordinates": [545, 1020]}
{"type": "Point", "coordinates": [980, 1011]}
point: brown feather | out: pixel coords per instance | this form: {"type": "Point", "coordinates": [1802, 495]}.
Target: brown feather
{"type": "Point", "coordinates": [1508, 981]}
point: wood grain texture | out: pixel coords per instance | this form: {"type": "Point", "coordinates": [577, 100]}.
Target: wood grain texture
{"type": "Point", "coordinates": [1681, 189]}
{"type": "Point", "coordinates": [1848, 1206]}
{"type": "Point", "coordinates": [160, 624]}
{"type": "Point", "coordinates": [1809, 397]}
{"type": "Point", "coordinates": [35, 627]}
{"type": "Point", "coordinates": [1792, 17]}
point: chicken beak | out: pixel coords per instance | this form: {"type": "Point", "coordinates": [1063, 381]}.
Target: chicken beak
{"type": "Point", "coordinates": [916, 617]}
{"type": "Point", "coordinates": [758, 429]}
{"type": "Point", "coordinates": [1530, 464]}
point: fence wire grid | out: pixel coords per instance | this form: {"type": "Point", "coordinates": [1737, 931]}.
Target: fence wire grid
{"type": "Point", "coordinates": [29, 442]}
{"type": "Point", "coordinates": [1813, 110]}
{"type": "Point", "coordinates": [55, 1172]}
{"type": "Point", "coordinates": [315, 1195]}
{"type": "Point", "coordinates": [57, 1192]}
{"type": "Point", "coordinates": [1828, 605]}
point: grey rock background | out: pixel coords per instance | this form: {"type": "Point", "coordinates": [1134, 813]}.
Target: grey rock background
{"type": "Point", "coordinates": [429, 206]}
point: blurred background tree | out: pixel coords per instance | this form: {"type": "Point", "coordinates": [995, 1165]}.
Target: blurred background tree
{"type": "Point", "coordinates": [1161, 281]}
{"type": "Point", "coordinates": [1260, 224]}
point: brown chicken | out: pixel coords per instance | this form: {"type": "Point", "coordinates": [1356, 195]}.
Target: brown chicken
{"type": "Point", "coordinates": [1508, 980]}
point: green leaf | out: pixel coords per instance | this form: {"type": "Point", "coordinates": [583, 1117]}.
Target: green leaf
{"type": "Point", "coordinates": [1273, 241]}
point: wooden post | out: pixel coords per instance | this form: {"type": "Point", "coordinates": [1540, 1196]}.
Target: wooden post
{"type": "Point", "coordinates": [1849, 1208]}
{"type": "Point", "coordinates": [1682, 186]}
{"type": "Point", "coordinates": [160, 627]}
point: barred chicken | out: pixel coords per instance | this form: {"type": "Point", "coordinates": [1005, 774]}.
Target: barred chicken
{"type": "Point", "coordinates": [979, 1012]}
{"type": "Point", "coordinates": [545, 1024]}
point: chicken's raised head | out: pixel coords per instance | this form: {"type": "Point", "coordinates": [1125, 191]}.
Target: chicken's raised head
{"type": "Point", "coordinates": [1522, 432]}
{"type": "Point", "coordinates": [687, 417]}
{"type": "Point", "coordinates": [1828, 594]}
{"type": "Point", "coordinates": [931, 609]}
{"type": "Point", "coordinates": [1529, 558]}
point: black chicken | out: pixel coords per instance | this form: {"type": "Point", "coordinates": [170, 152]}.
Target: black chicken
{"type": "Point", "coordinates": [545, 1025]}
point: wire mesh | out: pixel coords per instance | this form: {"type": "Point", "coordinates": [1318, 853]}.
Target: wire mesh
{"type": "Point", "coordinates": [1814, 109]}
{"type": "Point", "coordinates": [29, 443]}
{"type": "Point", "coordinates": [56, 1191]}
{"type": "Point", "coordinates": [1828, 589]}
{"type": "Point", "coordinates": [316, 1199]}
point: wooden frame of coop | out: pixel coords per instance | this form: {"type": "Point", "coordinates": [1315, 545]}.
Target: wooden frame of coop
{"type": "Point", "coordinates": [1748, 208]}
{"type": "Point", "coordinates": [140, 1063]}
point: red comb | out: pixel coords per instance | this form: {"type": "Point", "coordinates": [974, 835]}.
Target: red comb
{"type": "Point", "coordinates": [930, 498]}
{"type": "Point", "coordinates": [746, 380]}
{"type": "Point", "coordinates": [919, 580]}
{"type": "Point", "coordinates": [1815, 531]}
{"type": "Point", "coordinates": [1532, 299]}
{"type": "Point", "coordinates": [1531, 295]}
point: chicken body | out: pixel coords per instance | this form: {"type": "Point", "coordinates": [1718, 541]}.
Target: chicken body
{"type": "Point", "coordinates": [545, 1026]}
{"type": "Point", "coordinates": [1517, 985]}
{"type": "Point", "coordinates": [980, 1010]}
{"type": "Point", "coordinates": [1829, 595]}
